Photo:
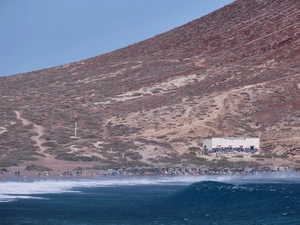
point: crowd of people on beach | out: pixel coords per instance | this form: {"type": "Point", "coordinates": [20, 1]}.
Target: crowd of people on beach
{"type": "Point", "coordinates": [46, 175]}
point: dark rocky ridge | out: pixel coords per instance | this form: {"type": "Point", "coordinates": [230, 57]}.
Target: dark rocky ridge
{"type": "Point", "coordinates": [234, 72]}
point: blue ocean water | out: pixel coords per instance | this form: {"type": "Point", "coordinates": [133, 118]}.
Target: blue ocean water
{"type": "Point", "coordinates": [257, 199]}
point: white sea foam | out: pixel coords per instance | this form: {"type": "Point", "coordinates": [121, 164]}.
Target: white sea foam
{"type": "Point", "coordinates": [8, 198]}
{"type": "Point", "coordinates": [11, 190]}
{"type": "Point", "coordinates": [276, 177]}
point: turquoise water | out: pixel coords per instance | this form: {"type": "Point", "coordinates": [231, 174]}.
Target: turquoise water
{"type": "Point", "coordinates": [267, 199]}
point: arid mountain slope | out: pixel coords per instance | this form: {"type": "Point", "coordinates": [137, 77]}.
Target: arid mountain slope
{"type": "Point", "coordinates": [234, 72]}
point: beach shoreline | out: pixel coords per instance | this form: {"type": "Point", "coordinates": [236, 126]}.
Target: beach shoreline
{"type": "Point", "coordinates": [20, 173]}
{"type": "Point", "coordinates": [46, 168]}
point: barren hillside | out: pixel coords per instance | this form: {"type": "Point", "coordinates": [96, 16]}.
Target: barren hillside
{"type": "Point", "coordinates": [234, 72]}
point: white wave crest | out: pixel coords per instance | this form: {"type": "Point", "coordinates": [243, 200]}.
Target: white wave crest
{"type": "Point", "coordinates": [10, 190]}
{"type": "Point", "coordinates": [8, 198]}
{"type": "Point", "coordinates": [264, 177]}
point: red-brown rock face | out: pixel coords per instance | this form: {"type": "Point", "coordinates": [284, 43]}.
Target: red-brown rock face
{"type": "Point", "coordinates": [234, 72]}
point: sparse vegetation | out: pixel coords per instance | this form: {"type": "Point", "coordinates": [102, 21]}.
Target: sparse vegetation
{"type": "Point", "coordinates": [169, 160]}
{"type": "Point", "coordinates": [37, 168]}
{"type": "Point", "coordinates": [166, 93]}
{"type": "Point", "coordinates": [133, 155]}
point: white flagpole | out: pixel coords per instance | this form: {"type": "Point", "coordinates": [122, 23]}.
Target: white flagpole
{"type": "Point", "coordinates": [75, 126]}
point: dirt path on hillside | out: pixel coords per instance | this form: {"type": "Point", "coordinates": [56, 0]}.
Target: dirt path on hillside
{"type": "Point", "coordinates": [37, 129]}
{"type": "Point", "coordinates": [48, 160]}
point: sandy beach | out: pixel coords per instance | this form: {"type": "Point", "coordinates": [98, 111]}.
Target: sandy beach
{"type": "Point", "coordinates": [66, 169]}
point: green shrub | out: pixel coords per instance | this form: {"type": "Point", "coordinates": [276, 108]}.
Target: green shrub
{"type": "Point", "coordinates": [133, 155]}
{"type": "Point", "coordinates": [136, 163]}
{"type": "Point", "coordinates": [37, 168]}
{"type": "Point", "coordinates": [67, 157]}
{"type": "Point", "coordinates": [8, 163]}
{"type": "Point", "coordinates": [84, 158]}
{"type": "Point", "coordinates": [171, 160]}
{"type": "Point", "coordinates": [260, 159]}
{"type": "Point", "coordinates": [49, 144]}
{"type": "Point", "coordinates": [257, 156]}
{"type": "Point", "coordinates": [28, 158]}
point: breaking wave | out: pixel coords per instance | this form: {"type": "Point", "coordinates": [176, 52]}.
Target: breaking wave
{"type": "Point", "coordinates": [247, 203]}
{"type": "Point", "coordinates": [13, 190]}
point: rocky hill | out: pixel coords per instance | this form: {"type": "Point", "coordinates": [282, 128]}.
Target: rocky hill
{"type": "Point", "coordinates": [234, 72]}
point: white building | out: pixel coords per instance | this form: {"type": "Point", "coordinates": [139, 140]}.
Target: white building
{"type": "Point", "coordinates": [230, 144]}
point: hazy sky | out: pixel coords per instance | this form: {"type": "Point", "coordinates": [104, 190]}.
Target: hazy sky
{"type": "Point", "coordinates": [36, 34]}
